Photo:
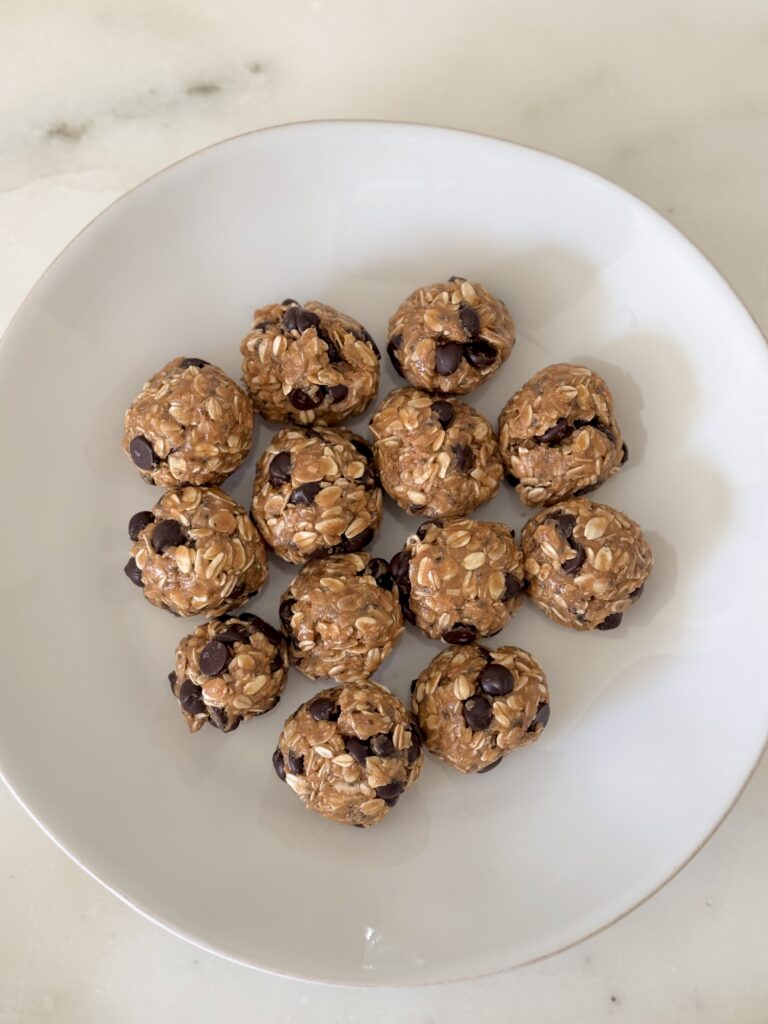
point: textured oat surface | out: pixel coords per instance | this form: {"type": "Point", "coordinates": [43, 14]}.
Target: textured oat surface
{"type": "Point", "coordinates": [350, 752]}
{"type": "Point", "coordinates": [309, 364]}
{"type": "Point", "coordinates": [558, 435]}
{"type": "Point", "coordinates": [342, 617]}
{"type": "Point", "coordinates": [585, 563]}
{"type": "Point", "coordinates": [461, 579]}
{"type": "Point", "coordinates": [228, 671]}
{"type": "Point", "coordinates": [190, 424]}
{"type": "Point", "coordinates": [450, 336]}
{"type": "Point", "coordinates": [475, 705]}
{"type": "Point", "coordinates": [436, 456]}
{"type": "Point", "coordinates": [196, 553]}
{"type": "Point", "coordinates": [316, 492]}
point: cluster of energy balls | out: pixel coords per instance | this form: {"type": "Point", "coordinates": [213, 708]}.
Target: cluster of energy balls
{"type": "Point", "coordinates": [353, 749]}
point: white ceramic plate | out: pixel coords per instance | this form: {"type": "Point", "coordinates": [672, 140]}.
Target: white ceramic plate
{"type": "Point", "coordinates": [655, 727]}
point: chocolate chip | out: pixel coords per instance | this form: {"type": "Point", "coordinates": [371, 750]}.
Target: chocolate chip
{"type": "Point", "coordinates": [399, 566]}
{"type": "Point", "coordinates": [379, 569]}
{"type": "Point", "coordinates": [279, 765]}
{"type": "Point", "coordinates": [480, 354]}
{"type": "Point", "coordinates": [305, 494]}
{"type": "Point", "coordinates": [338, 393]}
{"type": "Point", "coordinates": [359, 541]}
{"type": "Point", "coordinates": [142, 453]}
{"type": "Point", "coordinates": [455, 278]}
{"type": "Point", "coordinates": [133, 572]}
{"type": "Point", "coordinates": [267, 630]}
{"type": "Point", "coordinates": [423, 529]}
{"type": "Point", "coordinates": [382, 745]}
{"type": "Point", "coordinates": [357, 748]}
{"type": "Point", "coordinates": [565, 523]}
{"type": "Point", "coordinates": [277, 661]}
{"type": "Point", "coordinates": [191, 698]}
{"type": "Point", "coordinates": [405, 608]}
{"type": "Point", "coordinates": [303, 400]}
{"type": "Point", "coordinates": [470, 321]}
{"type": "Point", "coordinates": [362, 448]}
{"type": "Point", "coordinates": [478, 713]}
{"type": "Point", "coordinates": [416, 729]}
{"type": "Point", "coordinates": [214, 658]}
{"type": "Point", "coordinates": [496, 680]}
{"type": "Point", "coordinates": [463, 457]}
{"type": "Point", "coordinates": [444, 412]}
{"type": "Point", "coordinates": [334, 352]}
{"type": "Point", "coordinates": [607, 431]}
{"type": "Point", "coordinates": [638, 593]}
{"type": "Point", "coordinates": [286, 612]}
{"type": "Point", "coordinates": [612, 621]}
{"type": "Point", "coordinates": [541, 718]}
{"type": "Point", "coordinates": [414, 750]}
{"type": "Point", "coordinates": [414, 684]}
{"type": "Point", "coordinates": [572, 565]}
{"type": "Point", "coordinates": [236, 633]}
{"type": "Point", "coordinates": [324, 710]}
{"type": "Point", "coordinates": [289, 302]}
{"type": "Point", "coordinates": [585, 490]}
{"type": "Point", "coordinates": [447, 358]}
{"type": "Point", "coordinates": [295, 763]}
{"type": "Point", "coordinates": [391, 791]}
{"type": "Point", "coordinates": [172, 681]}
{"type": "Point", "coordinates": [193, 362]}
{"type": "Point", "coordinates": [262, 325]}
{"type": "Point", "coordinates": [512, 587]}
{"type": "Point", "coordinates": [280, 469]}
{"type": "Point", "coordinates": [358, 825]}
{"type": "Point", "coordinates": [624, 453]}
{"type": "Point", "coordinates": [167, 534]}
{"type": "Point", "coordinates": [394, 344]}
{"type": "Point", "coordinates": [460, 633]}
{"type": "Point", "coordinates": [290, 317]}
{"type": "Point", "coordinates": [415, 509]}
{"type": "Point", "coordinates": [137, 522]}
{"type": "Point", "coordinates": [392, 801]}
{"type": "Point", "coordinates": [220, 718]}
{"type": "Point", "coordinates": [556, 434]}
{"type": "Point", "coordinates": [305, 319]}
{"type": "Point", "coordinates": [512, 480]}
{"type": "Point", "coordinates": [490, 767]}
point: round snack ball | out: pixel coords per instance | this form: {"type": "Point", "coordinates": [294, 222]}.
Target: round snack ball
{"type": "Point", "coordinates": [350, 752]}
{"type": "Point", "coordinates": [229, 670]}
{"type": "Point", "coordinates": [585, 563]}
{"type": "Point", "coordinates": [558, 435]}
{"type": "Point", "coordinates": [459, 580]}
{"type": "Point", "coordinates": [450, 336]}
{"type": "Point", "coordinates": [341, 616]}
{"type": "Point", "coordinates": [474, 705]}
{"type": "Point", "coordinates": [309, 364]}
{"type": "Point", "coordinates": [436, 456]}
{"type": "Point", "coordinates": [196, 553]}
{"type": "Point", "coordinates": [190, 424]}
{"type": "Point", "coordinates": [316, 492]}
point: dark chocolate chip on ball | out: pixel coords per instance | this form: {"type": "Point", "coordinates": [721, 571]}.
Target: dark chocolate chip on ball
{"type": "Point", "coordinates": [540, 718]}
{"type": "Point", "coordinates": [193, 361]}
{"type": "Point", "coordinates": [280, 469]}
{"type": "Point", "coordinates": [470, 321]}
{"type": "Point", "coordinates": [305, 494]}
{"type": "Point", "coordinates": [612, 621]}
{"type": "Point", "coordinates": [137, 522]}
{"type": "Point", "coordinates": [381, 745]}
{"type": "Point", "coordinates": [324, 710]}
{"type": "Point", "coordinates": [572, 565]}
{"type": "Point", "coordinates": [167, 534]}
{"type": "Point", "coordinates": [305, 319]}
{"type": "Point", "coordinates": [478, 713]}
{"type": "Point", "coordinates": [555, 434]}
{"type": "Point", "coordinates": [357, 748]}
{"type": "Point", "coordinates": [399, 566]}
{"type": "Point", "coordinates": [142, 453]}
{"type": "Point", "coordinates": [480, 354]}
{"type": "Point", "coordinates": [338, 393]}
{"type": "Point", "coordinates": [191, 698]}
{"type": "Point", "coordinates": [295, 763]}
{"type": "Point", "coordinates": [489, 767]}
{"type": "Point", "coordinates": [463, 457]}
{"type": "Point", "coordinates": [279, 764]}
{"type": "Point", "coordinates": [267, 630]}
{"type": "Point", "coordinates": [496, 680]}
{"type": "Point", "coordinates": [172, 681]}
{"type": "Point", "coordinates": [460, 633]}
{"type": "Point", "coordinates": [286, 612]}
{"type": "Point", "coordinates": [447, 358]}
{"type": "Point", "coordinates": [359, 541]}
{"type": "Point", "coordinates": [444, 412]}
{"type": "Point", "coordinates": [214, 658]}
{"type": "Point", "coordinates": [302, 400]}
{"type": "Point", "coordinates": [133, 572]}
{"type": "Point", "coordinates": [391, 791]}
{"type": "Point", "coordinates": [512, 587]}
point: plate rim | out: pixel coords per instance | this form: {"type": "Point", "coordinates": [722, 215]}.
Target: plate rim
{"type": "Point", "coordinates": [433, 979]}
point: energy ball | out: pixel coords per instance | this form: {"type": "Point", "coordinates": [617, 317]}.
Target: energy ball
{"type": "Point", "coordinates": [190, 424]}
{"type": "Point", "coordinates": [341, 616]}
{"type": "Point", "coordinates": [585, 563]}
{"type": "Point", "coordinates": [316, 492]}
{"type": "Point", "coordinates": [558, 435]}
{"type": "Point", "coordinates": [196, 553]}
{"type": "Point", "coordinates": [229, 670]}
{"type": "Point", "coordinates": [436, 456]}
{"type": "Point", "coordinates": [450, 336]}
{"type": "Point", "coordinates": [309, 364]}
{"type": "Point", "coordinates": [459, 580]}
{"type": "Point", "coordinates": [474, 705]}
{"type": "Point", "coordinates": [350, 752]}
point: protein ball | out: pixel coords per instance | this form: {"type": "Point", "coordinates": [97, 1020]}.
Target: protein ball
{"type": "Point", "coordinates": [585, 563]}
{"type": "Point", "coordinates": [316, 492]}
{"type": "Point", "coordinates": [190, 424]}
{"type": "Point", "coordinates": [196, 553]}
{"type": "Point", "coordinates": [558, 435]}
{"type": "Point", "coordinates": [450, 336]}
{"type": "Point", "coordinates": [341, 616]}
{"type": "Point", "coordinates": [459, 580]}
{"type": "Point", "coordinates": [475, 705]}
{"type": "Point", "coordinates": [228, 671]}
{"type": "Point", "coordinates": [350, 752]}
{"type": "Point", "coordinates": [436, 456]}
{"type": "Point", "coordinates": [309, 364]}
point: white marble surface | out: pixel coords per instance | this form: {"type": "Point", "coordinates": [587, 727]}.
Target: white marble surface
{"type": "Point", "coordinates": [668, 100]}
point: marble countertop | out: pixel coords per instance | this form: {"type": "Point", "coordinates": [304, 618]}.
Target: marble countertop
{"type": "Point", "coordinates": [669, 100]}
